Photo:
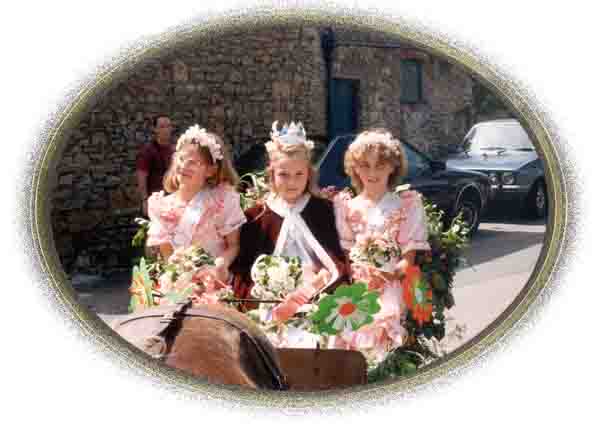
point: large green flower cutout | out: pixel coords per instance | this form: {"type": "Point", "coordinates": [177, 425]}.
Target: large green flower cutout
{"type": "Point", "coordinates": [348, 309]}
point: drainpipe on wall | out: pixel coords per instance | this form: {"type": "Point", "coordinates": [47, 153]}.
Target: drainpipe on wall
{"type": "Point", "coordinates": [327, 47]}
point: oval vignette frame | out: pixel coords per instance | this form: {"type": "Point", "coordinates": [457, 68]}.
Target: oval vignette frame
{"type": "Point", "coordinates": [511, 94]}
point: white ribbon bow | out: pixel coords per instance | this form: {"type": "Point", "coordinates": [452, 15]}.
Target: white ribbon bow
{"type": "Point", "coordinates": [193, 211]}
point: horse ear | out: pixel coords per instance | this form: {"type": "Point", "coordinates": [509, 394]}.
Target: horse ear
{"type": "Point", "coordinates": [155, 346]}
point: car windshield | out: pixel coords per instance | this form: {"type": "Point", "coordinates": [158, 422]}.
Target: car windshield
{"type": "Point", "coordinates": [417, 164]}
{"type": "Point", "coordinates": [331, 166]}
{"type": "Point", "coordinates": [494, 137]}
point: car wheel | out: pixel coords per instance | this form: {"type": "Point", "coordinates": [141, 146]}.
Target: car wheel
{"type": "Point", "coordinates": [471, 214]}
{"type": "Point", "coordinates": [538, 200]}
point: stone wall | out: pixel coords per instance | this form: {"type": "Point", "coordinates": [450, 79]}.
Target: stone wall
{"type": "Point", "coordinates": [441, 118]}
{"type": "Point", "coordinates": [235, 85]}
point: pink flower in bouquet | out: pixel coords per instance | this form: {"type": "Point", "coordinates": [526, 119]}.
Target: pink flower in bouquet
{"type": "Point", "coordinates": [206, 298]}
{"type": "Point", "coordinates": [205, 277]}
{"type": "Point", "coordinates": [372, 277]}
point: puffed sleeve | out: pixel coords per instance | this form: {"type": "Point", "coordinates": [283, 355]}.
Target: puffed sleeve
{"type": "Point", "coordinates": [340, 206]}
{"type": "Point", "coordinates": [163, 220]}
{"type": "Point", "coordinates": [233, 216]}
{"type": "Point", "coordinates": [411, 232]}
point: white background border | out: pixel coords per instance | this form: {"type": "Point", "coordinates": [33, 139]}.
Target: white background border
{"type": "Point", "coordinates": [52, 379]}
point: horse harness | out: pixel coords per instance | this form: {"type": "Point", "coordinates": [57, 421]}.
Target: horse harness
{"type": "Point", "coordinates": [158, 347]}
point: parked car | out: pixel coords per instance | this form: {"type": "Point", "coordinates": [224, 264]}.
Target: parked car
{"type": "Point", "coordinates": [503, 151]}
{"type": "Point", "coordinates": [453, 191]}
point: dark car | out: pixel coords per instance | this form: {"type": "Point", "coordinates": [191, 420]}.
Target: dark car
{"type": "Point", "coordinates": [452, 191]}
{"type": "Point", "coordinates": [503, 151]}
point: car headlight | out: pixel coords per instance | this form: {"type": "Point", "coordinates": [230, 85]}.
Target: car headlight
{"type": "Point", "coordinates": [508, 178]}
{"type": "Point", "coordinates": [493, 178]}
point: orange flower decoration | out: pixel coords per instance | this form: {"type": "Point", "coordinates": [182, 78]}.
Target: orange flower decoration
{"type": "Point", "coordinates": [417, 295]}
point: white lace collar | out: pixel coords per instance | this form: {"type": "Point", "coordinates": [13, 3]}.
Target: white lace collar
{"type": "Point", "coordinates": [191, 215]}
{"type": "Point", "coordinates": [377, 214]}
{"type": "Point", "coordinates": [283, 208]}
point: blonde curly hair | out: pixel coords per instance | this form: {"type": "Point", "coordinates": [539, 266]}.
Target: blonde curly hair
{"type": "Point", "coordinates": [387, 148]}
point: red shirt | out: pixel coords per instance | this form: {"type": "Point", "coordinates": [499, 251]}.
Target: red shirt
{"type": "Point", "coordinates": [154, 159]}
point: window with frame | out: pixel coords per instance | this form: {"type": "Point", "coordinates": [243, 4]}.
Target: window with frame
{"type": "Point", "coordinates": [411, 81]}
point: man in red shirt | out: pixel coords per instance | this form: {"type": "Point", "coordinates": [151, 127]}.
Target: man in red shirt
{"type": "Point", "coordinates": [154, 158]}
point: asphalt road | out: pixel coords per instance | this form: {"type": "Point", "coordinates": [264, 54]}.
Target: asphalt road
{"type": "Point", "coordinates": [500, 259]}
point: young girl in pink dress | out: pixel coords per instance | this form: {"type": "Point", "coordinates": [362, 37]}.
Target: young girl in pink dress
{"type": "Point", "coordinates": [202, 209]}
{"type": "Point", "coordinates": [375, 161]}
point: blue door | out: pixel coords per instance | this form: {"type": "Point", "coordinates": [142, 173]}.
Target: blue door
{"type": "Point", "coordinates": [344, 107]}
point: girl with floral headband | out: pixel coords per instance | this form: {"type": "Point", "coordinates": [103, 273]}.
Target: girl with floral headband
{"type": "Point", "coordinates": [381, 231]}
{"type": "Point", "coordinates": [292, 222]}
{"type": "Point", "coordinates": [202, 207]}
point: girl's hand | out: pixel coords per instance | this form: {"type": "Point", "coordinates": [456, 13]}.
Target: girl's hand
{"type": "Point", "coordinates": [288, 307]}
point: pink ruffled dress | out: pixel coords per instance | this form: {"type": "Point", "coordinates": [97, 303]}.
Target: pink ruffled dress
{"type": "Point", "coordinates": [204, 221]}
{"type": "Point", "coordinates": [403, 217]}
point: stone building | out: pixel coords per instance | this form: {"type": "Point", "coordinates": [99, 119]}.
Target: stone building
{"type": "Point", "coordinates": [333, 80]}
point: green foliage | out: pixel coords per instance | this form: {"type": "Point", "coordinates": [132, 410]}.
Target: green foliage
{"type": "Point", "coordinates": [399, 363]}
{"type": "Point", "coordinates": [139, 239]}
{"type": "Point", "coordinates": [439, 267]}
{"type": "Point", "coordinates": [402, 362]}
{"type": "Point", "coordinates": [254, 188]}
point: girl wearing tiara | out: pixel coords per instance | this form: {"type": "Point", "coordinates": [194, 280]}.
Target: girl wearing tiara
{"type": "Point", "coordinates": [203, 208]}
{"type": "Point", "coordinates": [375, 161]}
{"type": "Point", "coordinates": [292, 222]}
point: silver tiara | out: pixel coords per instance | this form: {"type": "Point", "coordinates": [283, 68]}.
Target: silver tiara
{"type": "Point", "coordinates": [289, 135]}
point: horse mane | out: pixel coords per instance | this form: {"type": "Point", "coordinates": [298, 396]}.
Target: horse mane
{"type": "Point", "coordinates": [211, 341]}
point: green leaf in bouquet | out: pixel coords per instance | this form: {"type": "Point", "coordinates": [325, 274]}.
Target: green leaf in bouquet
{"type": "Point", "coordinates": [439, 331]}
{"type": "Point", "coordinates": [438, 282]}
{"type": "Point", "coordinates": [427, 332]}
{"type": "Point", "coordinates": [139, 239]}
{"type": "Point", "coordinates": [142, 283]}
{"type": "Point", "coordinates": [175, 297]}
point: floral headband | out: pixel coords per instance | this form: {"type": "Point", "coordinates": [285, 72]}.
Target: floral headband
{"type": "Point", "coordinates": [289, 135]}
{"type": "Point", "coordinates": [384, 138]}
{"type": "Point", "coordinates": [196, 135]}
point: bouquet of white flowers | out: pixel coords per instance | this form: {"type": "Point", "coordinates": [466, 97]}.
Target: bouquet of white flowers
{"type": "Point", "coordinates": [376, 250]}
{"type": "Point", "coordinates": [275, 276]}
